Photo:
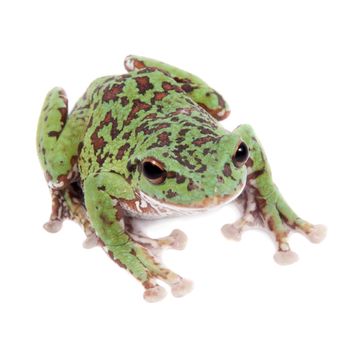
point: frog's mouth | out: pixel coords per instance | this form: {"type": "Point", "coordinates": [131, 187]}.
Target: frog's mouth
{"type": "Point", "coordinates": [151, 207]}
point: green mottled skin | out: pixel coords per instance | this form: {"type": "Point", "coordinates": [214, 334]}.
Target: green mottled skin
{"type": "Point", "coordinates": [92, 161]}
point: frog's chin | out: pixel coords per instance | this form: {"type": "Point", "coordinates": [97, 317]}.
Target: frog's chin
{"type": "Point", "coordinates": [153, 208]}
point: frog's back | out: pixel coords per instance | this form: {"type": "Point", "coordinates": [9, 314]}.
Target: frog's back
{"type": "Point", "coordinates": [126, 110]}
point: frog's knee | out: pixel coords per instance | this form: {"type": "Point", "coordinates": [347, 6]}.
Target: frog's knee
{"type": "Point", "coordinates": [132, 62]}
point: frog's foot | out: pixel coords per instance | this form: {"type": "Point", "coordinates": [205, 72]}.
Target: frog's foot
{"type": "Point", "coordinates": [58, 211]}
{"type": "Point", "coordinates": [179, 285]}
{"type": "Point", "coordinates": [273, 214]}
{"type": "Point", "coordinates": [147, 267]}
{"type": "Point", "coordinates": [176, 240]}
{"type": "Point", "coordinates": [150, 250]}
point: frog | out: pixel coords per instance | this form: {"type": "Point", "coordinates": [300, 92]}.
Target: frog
{"type": "Point", "coordinates": [148, 144]}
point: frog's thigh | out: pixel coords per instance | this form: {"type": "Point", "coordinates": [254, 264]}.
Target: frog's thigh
{"type": "Point", "coordinates": [51, 123]}
{"type": "Point", "coordinates": [58, 139]}
{"type": "Point", "coordinates": [107, 217]}
{"type": "Point", "coordinates": [196, 88]}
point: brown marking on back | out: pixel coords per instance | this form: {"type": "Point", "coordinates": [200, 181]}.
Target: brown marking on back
{"type": "Point", "coordinates": [124, 101]}
{"type": "Point", "coordinates": [126, 135]}
{"type": "Point", "coordinates": [168, 87]}
{"type": "Point", "coordinates": [112, 93]}
{"type": "Point", "coordinates": [164, 138]}
{"type": "Point", "coordinates": [138, 105]}
{"type": "Point", "coordinates": [97, 142]}
{"type": "Point", "coordinates": [159, 95]}
{"type": "Point", "coordinates": [143, 84]}
{"type": "Point", "coordinates": [187, 87]}
{"type": "Point", "coordinates": [183, 131]}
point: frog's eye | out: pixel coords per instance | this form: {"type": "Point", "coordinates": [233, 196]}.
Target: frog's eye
{"type": "Point", "coordinates": [153, 170]}
{"type": "Point", "coordinates": [241, 155]}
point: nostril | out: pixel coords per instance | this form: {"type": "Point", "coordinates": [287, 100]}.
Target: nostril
{"type": "Point", "coordinates": [241, 155]}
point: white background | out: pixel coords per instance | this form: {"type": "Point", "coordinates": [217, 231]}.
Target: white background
{"type": "Point", "coordinates": [284, 68]}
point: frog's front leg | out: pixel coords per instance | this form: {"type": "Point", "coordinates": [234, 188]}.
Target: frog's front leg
{"type": "Point", "coordinates": [103, 193]}
{"type": "Point", "coordinates": [263, 205]}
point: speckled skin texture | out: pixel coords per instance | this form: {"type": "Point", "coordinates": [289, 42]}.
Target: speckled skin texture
{"type": "Point", "coordinates": [157, 117]}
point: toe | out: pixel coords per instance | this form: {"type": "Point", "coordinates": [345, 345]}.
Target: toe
{"type": "Point", "coordinates": [154, 294]}
{"type": "Point", "coordinates": [181, 288]}
{"type": "Point", "coordinates": [91, 242]}
{"type": "Point", "coordinates": [317, 233]}
{"type": "Point", "coordinates": [230, 231]}
{"type": "Point", "coordinates": [53, 226]}
{"type": "Point", "coordinates": [285, 257]}
{"type": "Point", "coordinates": [179, 239]}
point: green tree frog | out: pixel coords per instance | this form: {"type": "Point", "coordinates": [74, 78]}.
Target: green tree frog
{"type": "Point", "coordinates": [148, 144]}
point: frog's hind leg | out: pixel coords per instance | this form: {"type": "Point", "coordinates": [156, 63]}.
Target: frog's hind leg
{"type": "Point", "coordinates": [58, 146]}
{"type": "Point", "coordinates": [74, 200]}
{"type": "Point", "coordinates": [196, 88]}
{"type": "Point", "coordinates": [58, 212]}
{"type": "Point", "coordinates": [52, 121]}
{"type": "Point", "coordinates": [69, 204]}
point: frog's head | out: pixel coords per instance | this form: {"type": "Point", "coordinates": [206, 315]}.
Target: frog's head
{"type": "Point", "coordinates": [191, 173]}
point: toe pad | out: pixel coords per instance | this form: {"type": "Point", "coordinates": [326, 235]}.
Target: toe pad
{"type": "Point", "coordinates": [285, 257]}
{"type": "Point", "coordinates": [230, 231]}
{"type": "Point", "coordinates": [181, 288]}
{"type": "Point", "coordinates": [180, 240]}
{"type": "Point", "coordinates": [53, 226]}
{"type": "Point", "coordinates": [152, 295]}
{"type": "Point", "coordinates": [317, 234]}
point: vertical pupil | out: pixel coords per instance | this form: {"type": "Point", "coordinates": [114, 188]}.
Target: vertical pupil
{"type": "Point", "coordinates": [152, 171]}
